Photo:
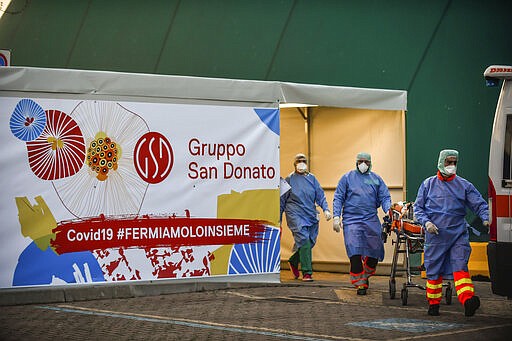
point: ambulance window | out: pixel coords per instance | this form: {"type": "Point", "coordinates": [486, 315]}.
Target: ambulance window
{"type": "Point", "coordinates": [506, 152]}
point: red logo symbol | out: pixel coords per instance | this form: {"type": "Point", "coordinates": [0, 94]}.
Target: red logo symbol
{"type": "Point", "coordinates": [153, 157]}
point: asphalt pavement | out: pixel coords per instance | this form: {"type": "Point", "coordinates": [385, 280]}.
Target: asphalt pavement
{"type": "Point", "coordinates": [325, 309]}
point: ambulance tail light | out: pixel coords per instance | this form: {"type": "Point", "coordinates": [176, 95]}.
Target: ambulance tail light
{"type": "Point", "coordinates": [493, 236]}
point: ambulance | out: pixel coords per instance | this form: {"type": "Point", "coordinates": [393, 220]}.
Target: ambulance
{"type": "Point", "coordinates": [499, 248]}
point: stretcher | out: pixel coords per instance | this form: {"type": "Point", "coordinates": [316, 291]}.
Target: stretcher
{"type": "Point", "coordinates": [408, 239]}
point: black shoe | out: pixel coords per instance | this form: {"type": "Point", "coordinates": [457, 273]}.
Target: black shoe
{"type": "Point", "coordinates": [433, 310]}
{"type": "Point", "coordinates": [361, 290]}
{"type": "Point", "coordinates": [471, 305]}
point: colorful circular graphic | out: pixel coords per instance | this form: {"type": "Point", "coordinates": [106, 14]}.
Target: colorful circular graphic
{"type": "Point", "coordinates": [59, 152]}
{"type": "Point", "coordinates": [3, 60]}
{"type": "Point", "coordinates": [109, 183]}
{"type": "Point", "coordinates": [27, 120]}
{"type": "Point", "coordinates": [102, 156]}
{"type": "Point", "coordinates": [257, 257]}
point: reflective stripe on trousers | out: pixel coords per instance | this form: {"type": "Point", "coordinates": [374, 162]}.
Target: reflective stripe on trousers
{"type": "Point", "coordinates": [463, 285]}
{"type": "Point", "coordinates": [435, 290]}
{"type": "Point", "coordinates": [368, 271]}
{"type": "Point", "coordinates": [359, 279]}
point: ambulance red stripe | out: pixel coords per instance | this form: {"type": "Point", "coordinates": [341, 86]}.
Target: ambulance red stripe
{"type": "Point", "coordinates": [503, 205]}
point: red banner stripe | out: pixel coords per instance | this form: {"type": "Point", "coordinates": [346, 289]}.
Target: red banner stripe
{"type": "Point", "coordinates": [153, 231]}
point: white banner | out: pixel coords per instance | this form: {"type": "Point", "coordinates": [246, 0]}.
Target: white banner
{"type": "Point", "coordinates": [103, 191]}
{"type": "Point", "coordinates": [5, 57]}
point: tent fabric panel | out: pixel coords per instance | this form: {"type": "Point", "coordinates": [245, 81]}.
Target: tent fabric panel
{"type": "Point", "coordinates": [344, 97]}
{"type": "Point", "coordinates": [336, 136]}
{"type": "Point", "coordinates": [139, 85]}
{"type": "Point", "coordinates": [200, 88]}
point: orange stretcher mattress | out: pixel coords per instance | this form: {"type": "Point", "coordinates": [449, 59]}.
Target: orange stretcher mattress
{"type": "Point", "coordinates": [406, 226]}
{"type": "Point", "coordinates": [401, 217]}
{"type": "Point", "coordinates": [411, 227]}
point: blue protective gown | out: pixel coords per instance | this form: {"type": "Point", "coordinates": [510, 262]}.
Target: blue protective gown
{"type": "Point", "coordinates": [300, 209]}
{"type": "Point", "coordinates": [356, 199]}
{"type": "Point", "coordinates": [444, 204]}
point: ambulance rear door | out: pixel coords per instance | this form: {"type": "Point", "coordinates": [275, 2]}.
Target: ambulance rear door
{"type": "Point", "coordinates": [499, 249]}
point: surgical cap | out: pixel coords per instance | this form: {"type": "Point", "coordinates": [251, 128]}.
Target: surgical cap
{"type": "Point", "coordinates": [443, 154]}
{"type": "Point", "coordinates": [300, 158]}
{"type": "Point", "coordinates": [363, 155]}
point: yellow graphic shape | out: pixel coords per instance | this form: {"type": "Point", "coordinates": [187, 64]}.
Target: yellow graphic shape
{"type": "Point", "coordinates": [102, 155]}
{"type": "Point", "coordinates": [260, 204]}
{"type": "Point", "coordinates": [37, 221]}
{"type": "Point", "coordinates": [219, 264]}
{"type": "Point", "coordinates": [55, 142]}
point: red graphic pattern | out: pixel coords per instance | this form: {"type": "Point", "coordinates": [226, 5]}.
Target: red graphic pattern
{"type": "Point", "coordinates": [59, 151]}
{"type": "Point", "coordinates": [153, 157]}
{"type": "Point", "coordinates": [169, 262]}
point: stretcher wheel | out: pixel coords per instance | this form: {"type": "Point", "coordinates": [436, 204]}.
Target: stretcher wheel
{"type": "Point", "coordinates": [392, 288]}
{"type": "Point", "coordinates": [448, 294]}
{"type": "Point", "coordinates": [403, 295]}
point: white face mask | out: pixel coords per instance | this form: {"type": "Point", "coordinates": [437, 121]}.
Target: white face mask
{"type": "Point", "coordinates": [301, 167]}
{"type": "Point", "coordinates": [363, 167]}
{"type": "Point", "coordinates": [450, 170]}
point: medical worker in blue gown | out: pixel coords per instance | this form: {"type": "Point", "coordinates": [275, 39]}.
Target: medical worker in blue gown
{"type": "Point", "coordinates": [299, 205]}
{"type": "Point", "coordinates": [358, 195]}
{"type": "Point", "coordinates": [440, 207]}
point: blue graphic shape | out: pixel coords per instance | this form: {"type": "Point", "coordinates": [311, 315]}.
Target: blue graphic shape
{"type": "Point", "coordinates": [27, 120]}
{"type": "Point", "coordinates": [270, 117]}
{"type": "Point", "coordinates": [407, 325]}
{"type": "Point", "coordinates": [260, 257]}
{"type": "Point", "coordinates": [36, 267]}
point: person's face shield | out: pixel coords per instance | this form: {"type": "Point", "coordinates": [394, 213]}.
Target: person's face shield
{"type": "Point", "coordinates": [447, 162]}
{"type": "Point", "coordinates": [363, 162]}
{"type": "Point", "coordinates": [363, 165]}
{"type": "Point", "coordinates": [450, 161]}
{"type": "Point", "coordinates": [450, 165]}
{"type": "Point", "coordinates": [301, 165]}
